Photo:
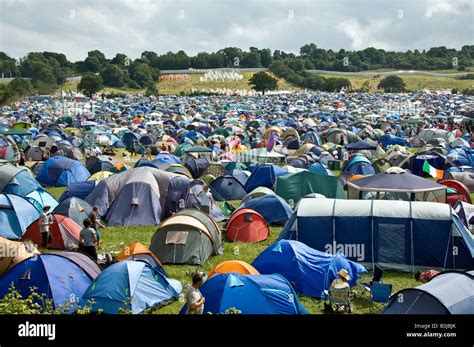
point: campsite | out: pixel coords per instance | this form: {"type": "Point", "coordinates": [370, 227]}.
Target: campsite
{"type": "Point", "coordinates": [187, 170]}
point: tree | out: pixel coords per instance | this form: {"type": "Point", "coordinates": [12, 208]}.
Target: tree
{"type": "Point", "coordinates": [5, 93]}
{"type": "Point", "coordinates": [91, 64]}
{"type": "Point", "coordinates": [151, 90]}
{"type": "Point", "coordinates": [262, 82]}
{"type": "Point", "coordinates": [21, 87]}
{"type": "Point", "coordinates": [90, 84]}
{"type": "Point", "coordinates": [314, 81]}
{"type": "Point", "coordinates": [142, 74]}
{"type": "Point", "coordinates": [113, 76]}
{"type": "Point", "coordinates": [392, 84]}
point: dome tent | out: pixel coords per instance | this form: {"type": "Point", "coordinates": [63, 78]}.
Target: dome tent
{"type": "Point", "coordinates": [312, 271]}
{"type": "Point", "coordinates": [188, 237]}
{"type": "Point", "coordinates": [130, 285]}
{"type": "Point", "coordinates": [237, 266]}
{"type": "Point", "coordinates": [61, 171]}
{"type": "Point", "coordinates": [246, 225]}
{"type": "Point", "coordinates": [16, 213]}
{"type": "Point", "coordinates": [74, 208]}
{"type": "Point", "coordinates": [250, 294]}
{"type": "Point", "coordinates": [273, 209]}
{"type": "Point", "coordinates": [59, 278]}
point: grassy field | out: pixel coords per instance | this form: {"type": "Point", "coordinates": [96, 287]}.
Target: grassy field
{"type": "Point", "coordinates": [115, 238]}
{"type": "Point", "coordinates": [175, 87]}
{"type": "Point", "coordinates": [413, 82]}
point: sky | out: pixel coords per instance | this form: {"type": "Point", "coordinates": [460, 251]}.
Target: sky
{"type": "Point", "coordinates": [133, 26]}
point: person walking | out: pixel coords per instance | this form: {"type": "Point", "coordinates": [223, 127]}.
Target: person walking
{"type": "Point", "coordinates": [195, 299]}
{"type": "Point", "coordinates": [88, 239]}
{"type": "Point", "coordinates": [207, 202]}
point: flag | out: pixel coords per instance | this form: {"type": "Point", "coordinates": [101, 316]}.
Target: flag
{"type": "Point", "coordinates": [432, 171]}
{"type": "Point", "coordinates": [271, 141]}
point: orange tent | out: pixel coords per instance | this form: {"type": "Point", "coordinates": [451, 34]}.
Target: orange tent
{"type": "Point", "coordinates": [240, 267]}
{"type": "Point", "coordinates": [64, 230]}
{"type": "Point", "coordinates": [134, 249]}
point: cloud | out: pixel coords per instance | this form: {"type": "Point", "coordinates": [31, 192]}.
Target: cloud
{"type": "Point", "coordinates": [133, 26]}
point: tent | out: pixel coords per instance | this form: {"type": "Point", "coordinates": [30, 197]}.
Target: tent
{"type": "Point", "coordinates": [415, 163]}
{"type": "Point", "coordinates": [78, 190]}
{"type": "Point", "coordinates": [137, 251]}
{"type": "Point", "coordinates": [16, 213]}
{"type": "Point", "coordinates": [188, 237]}
{"type": "Point", "coordinates": [450, 292]}
{"type": "Point", "coordinates": [34, 154]}
{"type": "Point", "coordinates": [465, 213]}
{"type": "Point", "coordinates": [429, 134]}
{"type": "Point", "coordinates": [310, 270]}
{"type": "Point", "coordinates": [241, 175]}
{"type": "Point", "coordinates": [321, 169]}
{"type": "Point", "coordinates": [64, 230]}
{"type": "Point", "coordinates": [130, 285]}
{"type": "Point", "coordinates": [250, 294]}
{"type": "Point", "coordinates": [74, 208]}
{"type": "Point", "coordinates": [194, 200]}
{"type": "Point", "coordinates": [256, 193]}
{"type": "Point", "coordinates": [59, 278]}
{"type": "Point", "coordinates": [456, 192]}
{"type": "Point", "coordinates": [237, 266]}
{"type": "Point", "coordinates": [197, 166]}
{"type": "Point", "coordinates": [293, 187]}
{"type": "Point", "coordinates": [360, 145]}
{"type": "Point", "coordinates": [465, 177]}
{"type": "Point", "coordinates": [227, 188]}
{"type": "Point", "coordinates": [14, 252]}
{"type": "Point", "coordinates": [264, 175]}
{"type": "Point", "coordinates": [247, 225]}
{"type": "Point", "coordinates": [396, 184]}
{"type": "Point", "coordinates": [391, 140]}
{"type": "Point", "coordinates": [100, 163]}
{"type": "Point", "coordinates": [394, 234]}
{"type": "Point", "coordinates": [178, 169]}
{"type": "Point", "coordinates": [99, 176]}
{"type": "Point", "coordinates": [61, 171]}
{"type": "Point", "coordinates": [18, 181]}
{"type": "Point", "coordinates": [359, 165]}
{"type": "Point", "coordinates": [271, 207]}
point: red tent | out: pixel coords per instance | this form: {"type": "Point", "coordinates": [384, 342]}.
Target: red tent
{"type": "Point", "coordinates": [64, 230]}
{"type": "Point", "coordinates": [247, 225]}
{"type": "Point", "coordinates": [462, 192]}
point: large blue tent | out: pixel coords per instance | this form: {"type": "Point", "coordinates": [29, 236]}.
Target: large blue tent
{"type": "Point", "coordinates": [264, 175]}
{"type": "Point", "coordinates": [61, 171]}
{"type": "Point", "coordinates": [78, 190]}
{"type": "Point", "coordinates": [274, 209]}
{"type": "Point", "coordinates": [310, 270]}
{"type": "Point", "coordinates": [59, 278]}
{"type": "Point", "coordinates": [130, 285]}
{"type": "Point", "coordinates": [227, 188]}
{"type": "Point", "coordinates": [251, 294]}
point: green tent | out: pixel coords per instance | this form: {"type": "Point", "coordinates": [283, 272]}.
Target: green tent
{"type": "Point", "coordinates": [16, 131]}
{"type": "Point", "coordinates": [294, 187]}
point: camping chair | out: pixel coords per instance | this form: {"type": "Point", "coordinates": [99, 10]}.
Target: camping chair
{"type": "Point", "coordinates": [340, 299]}
{"type": "Point", "coordinates": [365, 282]}
{"type": "Point", "coordinates": [379, 294]}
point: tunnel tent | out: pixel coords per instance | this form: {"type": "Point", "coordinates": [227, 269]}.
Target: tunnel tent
{"type": "Point", "coordinates": [449, 292]}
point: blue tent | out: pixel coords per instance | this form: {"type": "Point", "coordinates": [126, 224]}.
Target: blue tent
{"type": "Point", "coordinates": [241, 176]}
{"type": "Point", "coordinates": [359, 165]}
{"type": "Point", "coordinates": [251, 294]}
{"type": "Point", "coordinates": [15, 180]}
{"type": "Point", "coordinates": [415, 163]}
{"type": "Point", "coordinates": [273, 208]}
{"type": "Point", "coordinates": [320, 168]}
{"type": "Point", "coordinates": [450, 292]}
{"type": "Point", "coordinates": [312, 271]}
{"type": "Point", "coordinates": [128, 137]}
{"type": "Point", "coordinates": [16, 214]}
{"type": "Point", "coordinates": [78, 190]}
{"type": "Point", "coordinates": [58, 277]}
{"type": "Point", "coordinates": [390, 140]}
{"type": "Point", "coordinates": [264, 176]}
{"type": "Point", "coordinates": [460, 156]}
{"type": "Point", "coordinates": [74, 208]}
{"type": "Point", "coordinates": [227, 188]}
{"type": "Point", "coordinates": [61, 171]}
{"type": "Point", "coordinates": [130, 285]}
{"type": "Point", "coordinates": [395, 234]}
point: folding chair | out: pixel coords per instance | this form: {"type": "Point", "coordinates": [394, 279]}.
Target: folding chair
{"type": "Point", "coordinates": [379, 294]}
{"type": "Point", "coordinates": [365, 282]}
{"type": "Point", "coordinates": [340, 299]}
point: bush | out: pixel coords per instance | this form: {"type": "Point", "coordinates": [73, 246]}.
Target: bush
{"type": "Point", "coordinates": [392, 84]}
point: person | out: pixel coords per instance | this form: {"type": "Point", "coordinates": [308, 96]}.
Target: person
{"type": "Point", "coordinates": [44, 223]}
{"type": "Point", "coordinates": [194, 297]}
{"type": "Point", "coordinates": [88, 239]}
{"type": "Point", "coordinates": [342, 280]}
{"type": "Point", "coordinates": [96, 222]}
{"type": "Point", "coordinates": [425, 276]}
{"type": "Point", "coordinates": [341, 140]}
{"type": "Point", "coordinates": [207, 202]}
{"type": "Point", "coordinates": [148, 153]}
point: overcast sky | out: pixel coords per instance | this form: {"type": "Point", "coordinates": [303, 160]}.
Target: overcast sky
{"type": "Point", "coordinates": [133, 26]}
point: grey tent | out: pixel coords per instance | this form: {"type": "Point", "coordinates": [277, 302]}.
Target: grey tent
{"type": "Point", "coordinates": [139, 196]}
{"type": "Point", "coordinates": [188, 237]}
{"type": "Point", "coordinates": [465, 177]}
{"type": "Point", "coordinates": [74, 208]}
{"type": "Point", "coordinates": [450, 292]}
{"type": "Point", "coordinates": [34, 154]}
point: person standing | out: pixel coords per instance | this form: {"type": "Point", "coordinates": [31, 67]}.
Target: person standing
{"type": "Point", "coordinates": [88, 239]}
{"type": "Point", "coordinates": [96, 222]}
{"type": "Point", "coordinates": [207, 202]}
{"type": "Point", "coordinates": [195, 299]}
{"type": "Point", "coordinates": [44, 223]}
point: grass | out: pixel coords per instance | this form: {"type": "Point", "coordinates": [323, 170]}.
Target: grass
{"type": "Point", "coordinates": [413, 82]}
{"type": "Point", "coordinates": [115, 238]}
